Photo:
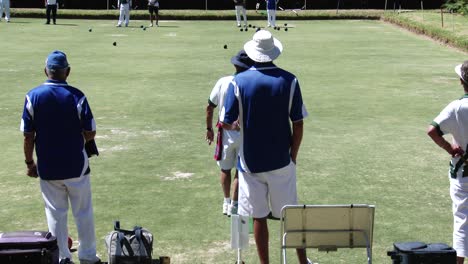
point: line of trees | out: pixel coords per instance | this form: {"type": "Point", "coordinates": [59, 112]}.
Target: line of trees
{"type": "Point", "coordinates": [458, 6]}
{"type": "Point", "coordinates": [228, 4]}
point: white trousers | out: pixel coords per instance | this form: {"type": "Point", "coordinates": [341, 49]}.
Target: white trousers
{"type": "Point", "coordinates": [271, 13]}
{"type": "Point", "coordinates": [124, 14]}
{"type": "Point", "coordinates": [56, 195]}
{"type": "Point", "coordinates": [240, 10]}
{"type": "Point", "coordinates": [459, 195]}
{"type": "Point", "coordinates": [5, 7]}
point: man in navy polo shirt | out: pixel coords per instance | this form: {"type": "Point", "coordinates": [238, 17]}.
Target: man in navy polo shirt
{"type": "Point", "coordinates": [56, 122]}
{"type": "Point", "coordinates": [266, 100]}
{"type": "Point", "coordinates": [271, 12]}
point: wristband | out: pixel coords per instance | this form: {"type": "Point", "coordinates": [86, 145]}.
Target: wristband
{"type": "Point", "coordinates": [209, 129]}
{"type": "Point", "coordinates": [31, 162]}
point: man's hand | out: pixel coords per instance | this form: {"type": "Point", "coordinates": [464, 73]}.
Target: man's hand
{"type": "Point", "coordinates": [209, 123]}
{"type": "Point", "coordinates": [236, 125]}
{"type": "Point", "coordinates": [209, 136]}
{"type": "Point", "coordinates": [455, 151]}
{"type": "Point", "coordinates": [32, 170]}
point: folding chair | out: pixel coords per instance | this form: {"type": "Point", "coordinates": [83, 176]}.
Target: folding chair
{"type": "Point", "coordinates": [327, 227]}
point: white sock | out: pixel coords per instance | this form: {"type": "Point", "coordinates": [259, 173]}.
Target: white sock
{"type": "Point", "coordinates": [234, 203]}
{"type": "Point", "coordinates": [227, 200]}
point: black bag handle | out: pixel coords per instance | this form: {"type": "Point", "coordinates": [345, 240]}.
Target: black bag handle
{"type": "Point", "coordinates": [142, 239]}
{"type": "Point", "coordinates": [126, 232]}
{"type": "Point", "coordinates": [137, 232]}
{"type": "Point", "coordinates": [123, 242]}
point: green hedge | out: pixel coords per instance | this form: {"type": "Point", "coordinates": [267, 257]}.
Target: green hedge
{"type": "Point", "coordinates": [203, 14]}
{"type": "Point", "coordinates": [434, 32]}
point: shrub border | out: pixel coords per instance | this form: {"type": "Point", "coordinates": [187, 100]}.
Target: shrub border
{"type": "Point", "coordinates": [433, 32]}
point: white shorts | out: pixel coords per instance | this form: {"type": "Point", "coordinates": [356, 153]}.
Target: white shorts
{"type": "Point", "coordinates": [459, 195]}
{"type": "Point", "coordinates": [265, 192]}
{"type": "Point", "coordinates": [231, 140]}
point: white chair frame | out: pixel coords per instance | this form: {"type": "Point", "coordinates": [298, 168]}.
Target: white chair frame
{"type": "Point", "coordinates": [327, 227]}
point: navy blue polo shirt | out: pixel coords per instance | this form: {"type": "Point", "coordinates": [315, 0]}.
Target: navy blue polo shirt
{"type": "Point", "coordinates": [58, 114]}
{"type": "Point", "coordinates": [266, 99]}
{"type": "Point", "coordinates": [271, 4]}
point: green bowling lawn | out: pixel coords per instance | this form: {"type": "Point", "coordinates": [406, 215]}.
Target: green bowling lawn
{"type": "Point", "coordinates": [371, 90]}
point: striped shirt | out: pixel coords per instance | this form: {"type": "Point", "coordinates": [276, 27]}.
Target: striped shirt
{"type": "Point", "coordinates": [58, 114]}
{"type": "Point", "coordinates": [271, 4]}
{"type": "Point", "coordinates": [266, 99]}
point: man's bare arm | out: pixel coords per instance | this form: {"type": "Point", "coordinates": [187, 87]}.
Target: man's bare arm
{"type": "Point", "coordinates": [451, 149]}
{"type": "Point", "coordinates": [28, 148]}
{"type": "Point", "coordinates": [297, 132]}
{"type": "Point", "coordinates": [209, 124]}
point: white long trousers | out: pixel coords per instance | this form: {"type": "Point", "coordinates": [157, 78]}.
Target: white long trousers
{"type": "Point", "coordinates": [271, 13]}
{"type": "Point", "coordinates": [124, 14]}
{"type": "Point", "coordinates": [57, 194]}
{"type": "Point", "coordinates": [5, 7]}
{"type": "Point", "coordinates": [240, 10]}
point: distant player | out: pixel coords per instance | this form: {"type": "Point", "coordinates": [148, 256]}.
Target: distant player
{"type": "Point", "coordinates": [51, 7]}
{"type": "Point", "coordinates": [271, 12]}
{"type": "Point", "coordinates": [240, 10]}
{"type": "Point", "coordinates": [124, 6]}
{"type": "Point", "coordinates": [5, 7]}
{"type": "Point", "coordinates": [153, 8]}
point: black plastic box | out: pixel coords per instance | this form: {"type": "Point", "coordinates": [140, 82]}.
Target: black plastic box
{"type": "Point", "coordinates": [422, 253]}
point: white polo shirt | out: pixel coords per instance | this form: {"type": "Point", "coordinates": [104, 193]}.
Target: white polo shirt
{"type": "Point", "coordinates": [454, 120]}
{"type": "Point", "coordinates": [218, 97]}
{"type": "Point", "coordinates": [153, 3]}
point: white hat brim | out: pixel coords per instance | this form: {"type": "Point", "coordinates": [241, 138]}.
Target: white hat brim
{"type": "Point", "coordinates": [258, 55]}
{"type": "Point", "coordinates": [457, 70]}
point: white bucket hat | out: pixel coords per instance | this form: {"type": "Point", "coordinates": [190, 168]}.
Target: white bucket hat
{"type": "Point", "coordinates": [462, 71]}
{"type": "Point", "coordinates": [263, 47]}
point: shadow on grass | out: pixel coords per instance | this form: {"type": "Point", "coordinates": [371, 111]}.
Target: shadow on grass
{"type": "Point", "coordinates": [142, 26]}
{"type": "Point", "coordinates": [67, 25]}
{"type": "Point", "coordinates": [18, 22]}
{"type": "Point", "coordinates": [168, 26]}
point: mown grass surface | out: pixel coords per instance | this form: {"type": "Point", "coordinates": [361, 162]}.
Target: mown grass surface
{"type": "Point", "coordinates": [371, 90]}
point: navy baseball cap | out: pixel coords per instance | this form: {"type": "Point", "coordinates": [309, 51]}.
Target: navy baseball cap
{"type": "Point", "coordinates": [242, 60]}
{"type": "Point", "coordinates": [57, 60]}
